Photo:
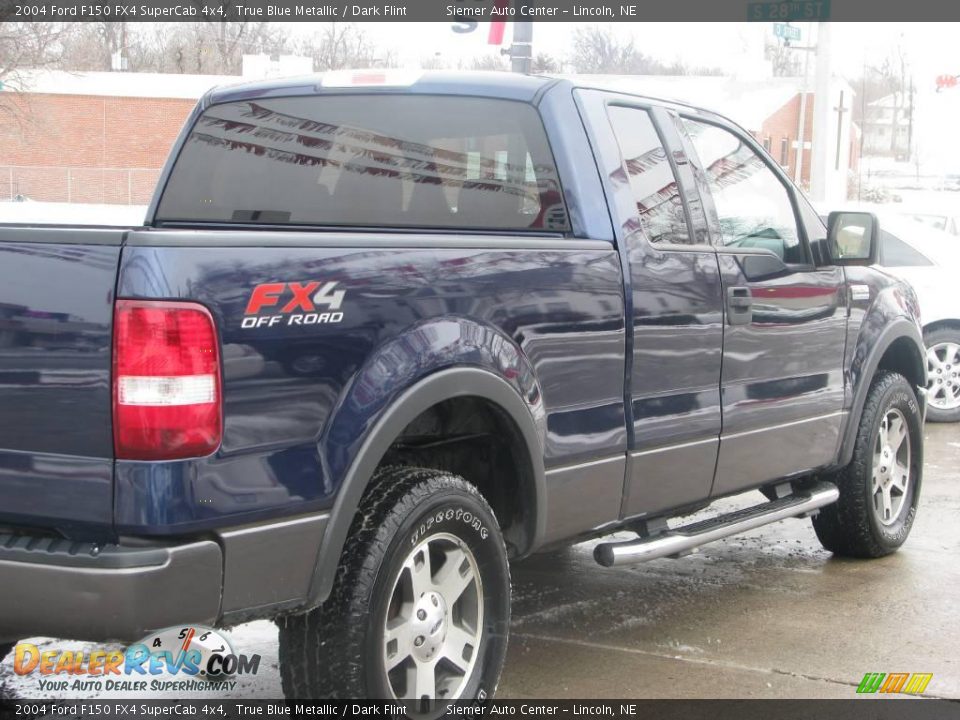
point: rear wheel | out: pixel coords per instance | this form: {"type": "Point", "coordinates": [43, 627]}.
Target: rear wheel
{"type": "Point", "coordinates": [943, 374]}
{"type": "Point", "coordinates": [420, 609]}
{"type": "Point", "coordinates": [880, 488]}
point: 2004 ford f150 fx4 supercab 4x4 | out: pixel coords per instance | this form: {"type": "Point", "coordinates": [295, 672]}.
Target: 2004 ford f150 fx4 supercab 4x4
{"type": "Point", "coordinates": [376, 339]}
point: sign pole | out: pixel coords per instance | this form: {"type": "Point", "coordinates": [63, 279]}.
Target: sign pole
{"type": "Point", "coordinates": [521, 51]}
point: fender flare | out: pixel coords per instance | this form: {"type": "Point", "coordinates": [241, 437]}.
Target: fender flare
{"type": "Point", "coordinates": [437, 387]}
{"type": "Point", "coordinates": [900, 328]}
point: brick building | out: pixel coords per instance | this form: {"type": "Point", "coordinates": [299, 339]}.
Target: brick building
{"type": "Point", "coordinates": [93, 137]}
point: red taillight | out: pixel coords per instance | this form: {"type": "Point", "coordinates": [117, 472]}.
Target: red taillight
{"type": "Point", "coordinates": [166, 381]}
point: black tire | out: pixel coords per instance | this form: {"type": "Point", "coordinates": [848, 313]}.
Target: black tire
{"type": "Point", "coordinates": [852, 527]}
{"type": "Point", "coordinates": [937, 337]}
{"type": "Point", "coordinates": [337, 649]}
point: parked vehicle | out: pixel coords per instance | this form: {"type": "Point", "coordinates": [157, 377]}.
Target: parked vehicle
{"type": "Point", "coordinates": [468, 317]}
{"type": "Point", "coordinates": [929, 260]}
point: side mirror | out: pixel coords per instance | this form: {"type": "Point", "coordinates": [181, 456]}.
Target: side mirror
{"type": "Point", "coordinates": [853, 238]}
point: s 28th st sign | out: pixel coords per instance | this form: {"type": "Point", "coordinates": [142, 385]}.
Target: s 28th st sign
{"type": "Point", "coordinates": [794, 10]}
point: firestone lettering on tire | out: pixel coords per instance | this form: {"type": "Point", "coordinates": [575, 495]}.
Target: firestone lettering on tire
{"type": "Point", "coordinates": [447, 515]}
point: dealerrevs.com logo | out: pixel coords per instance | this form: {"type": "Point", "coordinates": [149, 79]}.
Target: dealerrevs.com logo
{"type": "Point", "coordinates": [293, 304]}
{"type": "Point", "coordinates": [178, 659]}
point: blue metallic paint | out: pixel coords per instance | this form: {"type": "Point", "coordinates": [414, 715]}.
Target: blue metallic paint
{"type": "Point", "coordinates": [56, 444]}
{"type": "Point", "coordinates": [550, 322]}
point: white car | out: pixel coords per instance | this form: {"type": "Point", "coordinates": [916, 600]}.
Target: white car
{"type": "Point", "coordinates": [948, 223]}
{"type": "Point", "coordinates": [929, 259]}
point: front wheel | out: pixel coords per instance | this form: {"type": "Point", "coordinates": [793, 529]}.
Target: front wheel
{"type": "Point", "coordinates": [943, 374]}
{"type": "Point", "coordinates": [880, 488]}
{"type": "Point", "coordinates": [420, 608]}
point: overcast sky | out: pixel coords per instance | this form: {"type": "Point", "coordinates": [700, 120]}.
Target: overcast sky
{"type": "Point", "coordinates": [930, 47]}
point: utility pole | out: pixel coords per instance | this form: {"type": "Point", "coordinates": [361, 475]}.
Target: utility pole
{"type": "Point", "coordinates": [521, 49]}
{"type": "Point", "coordinates": [821, 116]}
{"type": "Point", "coordinates": [802, 124]}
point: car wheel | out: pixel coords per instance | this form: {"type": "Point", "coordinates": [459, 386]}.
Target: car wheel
{"type": "Point", "coordinates": [943, 374]}
{"type": "Point", "coordinates": [880, 488]}
{"type": "Point", "coordinates": [420, 608]}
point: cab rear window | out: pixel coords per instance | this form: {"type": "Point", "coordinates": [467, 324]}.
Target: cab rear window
{"type": "Point", "coordinates": [369, 161]}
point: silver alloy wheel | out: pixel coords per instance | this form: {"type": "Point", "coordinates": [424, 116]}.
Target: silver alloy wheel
{"type": "Point", "coordinates": [891, 467]}
{"type": "Point", "coordinates": [434, 620]}
{"type": "Point", "coordinates": [943, 375]}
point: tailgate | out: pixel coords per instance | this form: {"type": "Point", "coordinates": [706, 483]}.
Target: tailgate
{"type": "Point", "coordinates": [56, 311]}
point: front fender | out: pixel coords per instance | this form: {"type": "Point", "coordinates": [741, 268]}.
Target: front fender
{"type": "Point", "coordinates": [431, 362]}
{"type": "Point", "coordinates": [891, 318]}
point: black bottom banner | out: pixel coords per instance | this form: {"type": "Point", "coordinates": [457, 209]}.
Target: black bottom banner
{"type": "Point", "coordinates": [867, 708]}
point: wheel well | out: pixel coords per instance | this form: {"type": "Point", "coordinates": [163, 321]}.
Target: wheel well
{"type": "Point", "coordinates": [474, 438]}
{"type": "Point", "coordinates": [905, 358]}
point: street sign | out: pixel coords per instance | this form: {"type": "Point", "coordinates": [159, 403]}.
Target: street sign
{"type": "Point", "coordinates": [787, 32]}
{"type": "Point", "coordinates": [786, 11]}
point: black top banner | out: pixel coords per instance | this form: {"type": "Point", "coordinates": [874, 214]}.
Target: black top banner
{"type": "Point", "coordinates": [466, 12]}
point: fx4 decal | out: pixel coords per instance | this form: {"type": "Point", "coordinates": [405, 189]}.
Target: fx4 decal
{"type": "Point", "coordinates": [294, 303]}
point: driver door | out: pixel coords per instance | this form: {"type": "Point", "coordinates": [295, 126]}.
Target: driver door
{"type": "Point", "coordinates": [782, 382]}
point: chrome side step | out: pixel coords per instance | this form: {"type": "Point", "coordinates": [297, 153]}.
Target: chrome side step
{"type": "Point", "coordinates": [687, 537]}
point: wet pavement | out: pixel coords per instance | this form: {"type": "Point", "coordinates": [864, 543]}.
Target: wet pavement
{"type": "Point", "coordinates": [766, 614]}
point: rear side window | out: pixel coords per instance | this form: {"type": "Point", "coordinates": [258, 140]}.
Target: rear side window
{"type": "Point", "coordinates": [366, 160]}
{"type": "Point", "coordinates": [651, 178]}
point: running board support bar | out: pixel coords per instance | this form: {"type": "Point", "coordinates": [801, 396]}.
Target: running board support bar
{"type": "Point", "coordinates": [687, 537]}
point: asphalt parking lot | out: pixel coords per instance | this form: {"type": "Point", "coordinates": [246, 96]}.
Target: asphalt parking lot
{"type": "Point", "coordinates": [768, 614]}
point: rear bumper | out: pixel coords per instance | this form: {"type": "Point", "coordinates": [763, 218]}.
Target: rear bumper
{"type": "Point", "coordinates": [82, 591]}
{"type": "Point", "coordinates": [88, 592]}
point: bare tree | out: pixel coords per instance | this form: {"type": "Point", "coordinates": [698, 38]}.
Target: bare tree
{"type": "Point", "coordinates": [343, 45]}
{"type": "Point", "coordinates": [783, 60]}
{"type": "Point", "coordinates": [545, 64]}
{"type": "Point", "coordinates": [490, 62]}
{"type": "Point", "coordinates": [23, 47]}
{"type": "Point", "coordinates": [596, 49]}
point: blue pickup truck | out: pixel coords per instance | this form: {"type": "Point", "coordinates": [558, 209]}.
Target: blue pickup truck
{"type": "Point", "coordinates": [380, 336]}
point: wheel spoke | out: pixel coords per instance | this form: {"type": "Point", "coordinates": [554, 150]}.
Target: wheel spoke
{"type": "Point", "coordinates": [897, 432]}
{"type": "Point", "coordinates": [455, 648]}
{"type": "Point", "coordinates": [901, 476]}
{"type": "Point", "coordinates": [887, 505]}
{"type": "Point", "coordinates": [952, 354]}
{"type": "Point", "coordinates": [933, 359]}
{"type": "Point", "coordinates": [421, 575]}
{"type": "Point", "coordinates": [455, 576]}
{"type": "Point", "coordinates": [421, 681]}
{"type": "Point", "coordinates": [396, 641]}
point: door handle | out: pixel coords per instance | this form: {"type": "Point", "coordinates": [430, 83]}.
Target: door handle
{"type": "Point", "coordinates": [739, 305]}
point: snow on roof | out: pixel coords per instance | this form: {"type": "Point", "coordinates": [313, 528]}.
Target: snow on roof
{"type": "Point", "coordinates": [896, 99]}
{"type": "Point", "coordinates": [747, 102]}
{"type": "Point", "coordinates": [116, 84]}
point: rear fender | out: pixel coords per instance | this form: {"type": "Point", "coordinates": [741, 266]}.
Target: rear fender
{"type": "Point", "coordinates": [434, 361]}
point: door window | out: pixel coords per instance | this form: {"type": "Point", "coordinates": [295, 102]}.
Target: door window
{"type": "Point", "coordinates": [752, 203]}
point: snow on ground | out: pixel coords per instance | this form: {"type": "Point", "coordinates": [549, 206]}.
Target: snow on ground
{"type": "Point", "coordinates": [72, 213]}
